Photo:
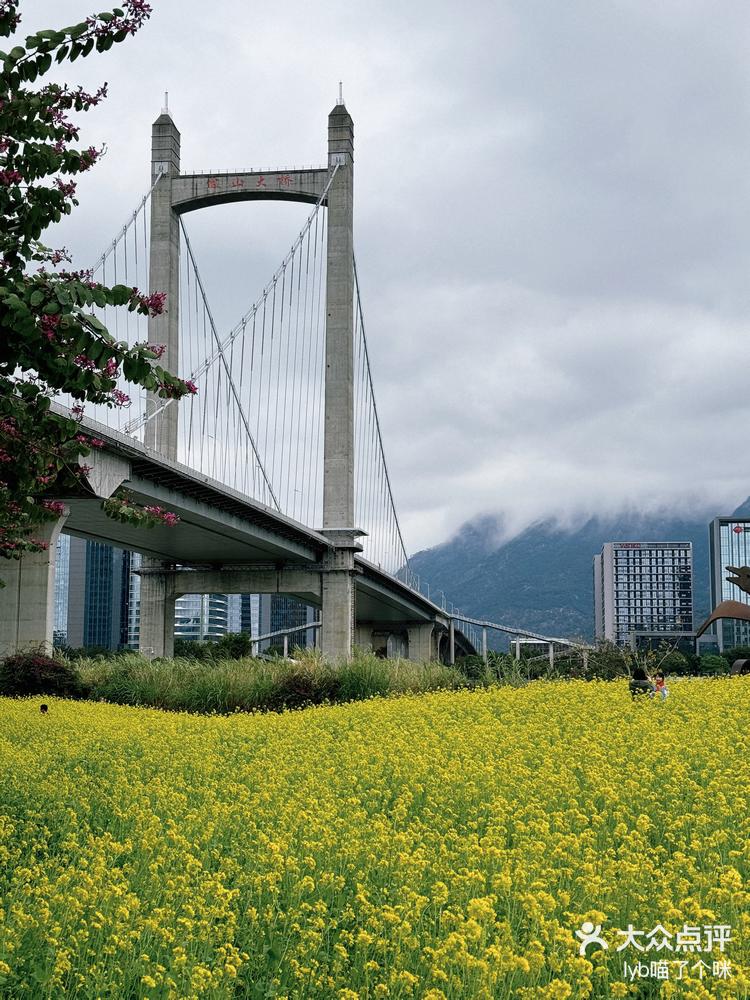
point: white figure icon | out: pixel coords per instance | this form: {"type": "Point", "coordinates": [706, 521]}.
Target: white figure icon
{"type": "Point", "coordinates": [590, 935]}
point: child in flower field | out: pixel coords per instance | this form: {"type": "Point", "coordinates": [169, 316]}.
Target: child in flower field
{"type": "Point", "coordinates": [660, 686]}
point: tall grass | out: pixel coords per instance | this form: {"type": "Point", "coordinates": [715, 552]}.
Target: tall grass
{"type": "Point", "coordinates": [258, 685]}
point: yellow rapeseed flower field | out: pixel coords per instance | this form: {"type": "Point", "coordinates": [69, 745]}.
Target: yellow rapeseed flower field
{"type": "Point", "coordinates": [440, 846]}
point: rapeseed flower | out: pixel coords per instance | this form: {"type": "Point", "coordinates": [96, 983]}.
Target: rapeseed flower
{"type": "Point", "coordinates": [447, 846]}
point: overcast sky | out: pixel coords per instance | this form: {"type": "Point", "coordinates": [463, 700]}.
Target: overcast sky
{"type": "Point", "coordinates": [552, 223]}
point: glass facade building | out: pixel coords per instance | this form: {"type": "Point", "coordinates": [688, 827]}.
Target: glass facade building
{"type": "Point", "coordinates": [91, 594]}
{"type": "Point", "coordinates": [244, 613]}
{"type": "Point", "coordinates": [279, 612]}
{"type": "Point", "coordinates": [201, 616]}
{"type": "Point", "coordinates": [728, 545]}
{"type": "Point", "coordinates": [643, 587]}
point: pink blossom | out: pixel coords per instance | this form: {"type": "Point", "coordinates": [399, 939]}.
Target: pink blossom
{"type": "Point", "coordinates": [120, 398]}
{"type": "Point", "coordinates": [54, 506]}
{"type": "Point", "coordinates": [49, 326]}
{"type": "Point", "coordinates": [110, 369]}
{"type": "Point", "coordinates": [8, 177]}
{"type": "Point", "coordinates": [89, 157]}
{"type": "Point", "coordinates": [57, 256]}
{"type": "Point", "coordinates": [96, 443]}
{"type": "Point", "coordinates": [154, 302]}
{"type": "Point", "coordinates": [157, 349]}
{"type": "Point", "coordinates": [192, 388]}
{"type": "Point", "coordinates": [66, 189]}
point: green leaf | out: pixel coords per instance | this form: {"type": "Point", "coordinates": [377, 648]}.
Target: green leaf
{"type": "Point", "coordinates": [37, 298]}
{"type": "Point", "coordinates": [120, 294]}
{"type": "Point", "coordinates": [96, 323]}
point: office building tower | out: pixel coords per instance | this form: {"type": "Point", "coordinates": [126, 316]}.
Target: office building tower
{"type": "Point", "coordinates": [728, 545]}
{"type": "Point", "coordinates": [643, 590]}
{"type": "Point", "coordinates": [278, 612]}
{"type": "Point", "coordinates": [91, 594]}
{"type": "Point", "coordinates": [201, 616]}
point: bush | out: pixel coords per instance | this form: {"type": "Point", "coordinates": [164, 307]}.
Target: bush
{"type": "Point", "coordinates": [194, 649]}
{"type": "Point", "coordinates": [33, 673]}
{"type": "Point", "coordinates": [736, 653]}
{"type": "Point", "coordinates": [471, 666]}
{"type": "Point", "coordinates": [712, 663]}
{"type": "Point", "coordinates": [234, 645]}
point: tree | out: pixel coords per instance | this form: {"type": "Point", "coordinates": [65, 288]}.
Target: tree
{"type": "Point", "coordinates": [50, 340]}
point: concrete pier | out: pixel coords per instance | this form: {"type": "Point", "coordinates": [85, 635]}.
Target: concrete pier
{"type": "Point", "coordinates": [156, 635]}
{"type": "Point", "coordinates": [27, 601]}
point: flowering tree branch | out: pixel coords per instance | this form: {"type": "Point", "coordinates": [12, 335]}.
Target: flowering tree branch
{"type": "Point", "coordinates": [50, 340]}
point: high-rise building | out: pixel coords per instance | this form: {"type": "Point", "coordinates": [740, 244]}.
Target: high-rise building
{"type": "Point", "coordinates": [91, 593]}
{"type": "Point", "coordinates": [201, 616]}
{"type": "Point", "coordinates": [279, 612]}
{"type": "Point", "coordinates": [243, 613]}
{"type": "Point", "coordinates": [643, 587]}
{"type": "Point", "coordinates": [250, 614]}
{"type": "Point", "coordinates": [62, 582]}
{"type": "Point", "coordinates": [728, 545]}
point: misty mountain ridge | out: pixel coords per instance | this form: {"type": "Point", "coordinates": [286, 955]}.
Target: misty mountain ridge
{"type": "Point", "coordinates": [542, 579]}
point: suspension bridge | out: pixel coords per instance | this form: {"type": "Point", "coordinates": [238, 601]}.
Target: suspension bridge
{"type": "Point", "coordinates": [275, 466]}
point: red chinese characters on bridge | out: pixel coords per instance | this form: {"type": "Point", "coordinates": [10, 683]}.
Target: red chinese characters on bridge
{"type": "Point", "coordinates": [283, 181]}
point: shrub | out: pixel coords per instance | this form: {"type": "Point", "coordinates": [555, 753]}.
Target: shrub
{"type": "Point", "coordinates": [712, 663]}
{"type": "Point", "coordinates": [234, 645]}
{"type": "Point", "coordinates": [471, 666]}
{"type": "Point", "coordinates": [194, 649]}
{"type": "Point", "coordinates": [736, 653]}
{"type": "Point", "coordinates": [34, 673]}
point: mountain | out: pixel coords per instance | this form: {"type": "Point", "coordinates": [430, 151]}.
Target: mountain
{"type": "Point", "coordinates": [542, 579]}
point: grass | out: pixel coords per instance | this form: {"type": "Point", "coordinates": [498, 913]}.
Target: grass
{"type": "Point", "coordinates": [225, 686]}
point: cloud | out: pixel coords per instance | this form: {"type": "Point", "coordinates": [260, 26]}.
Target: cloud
{"type": "Point", "coordinates": [552, 205]}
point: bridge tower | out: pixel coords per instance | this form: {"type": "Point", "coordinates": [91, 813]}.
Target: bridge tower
{"type": "Point", "coordinates": [176, 193]}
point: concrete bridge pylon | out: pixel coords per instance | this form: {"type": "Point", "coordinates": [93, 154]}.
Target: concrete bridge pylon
{"type": "Point", "coordinates": [176, 194]}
